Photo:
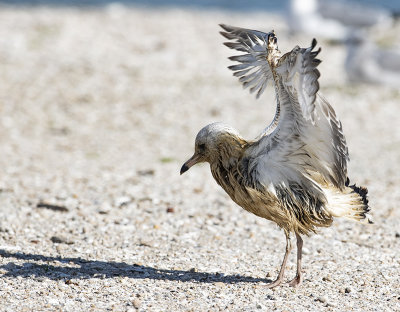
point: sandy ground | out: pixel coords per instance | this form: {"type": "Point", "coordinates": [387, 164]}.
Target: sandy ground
{"type": "Point", "coordinates": [98, 111]}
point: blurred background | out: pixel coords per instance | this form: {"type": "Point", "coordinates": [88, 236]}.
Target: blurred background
{"type": "Point", "coordinates": [100, 102]}
{"type": "Point", "coordinates": [95, 76]}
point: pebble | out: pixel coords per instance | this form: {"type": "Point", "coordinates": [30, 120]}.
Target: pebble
{"type": "Point", "coordinates": [306, 251]}
{"type": "Point", "coordinates": [136, 303]}
{"type": "Point", "coordinates": [61, 240]}
{"type": "Point", "coordinates": [322, 299]}
{"type": "Point", "coordinates": [122, 201]}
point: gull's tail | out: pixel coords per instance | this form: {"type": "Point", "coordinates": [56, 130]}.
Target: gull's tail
{"type": "Point", "coordinates": [351, 203]}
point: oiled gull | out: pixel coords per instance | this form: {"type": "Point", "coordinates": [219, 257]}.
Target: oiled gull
{"type": "Point", "coordinates": [295, 172]}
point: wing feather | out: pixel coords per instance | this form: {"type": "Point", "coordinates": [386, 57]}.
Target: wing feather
{"type": "Point", "coordinates": [254, 70]}
{"type": "Point", "coordinates": [299, 73]}
{"type": "Point", "coordinates": [305, 144]}
{"type": "Point", "coordinates": [308, 142]}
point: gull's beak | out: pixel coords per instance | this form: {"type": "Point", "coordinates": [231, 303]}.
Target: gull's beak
{"type": "Point", "coordinates": [191, 162]}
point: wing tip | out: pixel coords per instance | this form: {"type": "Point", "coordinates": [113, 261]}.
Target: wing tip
{"type": "Point", "coordinates": [313, 43]}
{"type": "Point", "coordinates": [226, 27]}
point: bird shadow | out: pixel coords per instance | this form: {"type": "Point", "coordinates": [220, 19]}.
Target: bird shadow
{"type": "Point", "coordinates": [69, 268]}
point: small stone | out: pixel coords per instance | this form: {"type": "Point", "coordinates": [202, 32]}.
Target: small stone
{"type": "Point", "coordinates": [347, 290]}
{"type": "Point", "coordinates": [219, 284]}
{"type": "Point", "coordinates": [59, 249]}
{"type": "Point", "coordinates": [322, 299]}
{"type": "Point", "coordinates": [193, 270]}
{"type": "Point", "coordinates": [61, 240]}
{"type": "Point", "coordinates": [397, 235]}
{"type": "Point", "coordinates": [306, 251]}
{"type": "Point", "coordinates": [122, 201]}
{"type": "Point", "coordinates": [270, 297]}
{"type": "Point", "coordinates": [146, 172]}
{"type": "Point", "coordinates": [136, 303]}
{"type": "Point", "coordinates": [145, 243]}
{"type": "Point", "coordinates": [52, 207]}
{"type": "Point", "coordinates": [326, 279]}
{"type": "Point", "coordinates": [170, 210]}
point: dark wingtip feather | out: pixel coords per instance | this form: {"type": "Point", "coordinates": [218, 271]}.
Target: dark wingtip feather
{"type": "Point", "coordinates": [227, 35]}
{"type": "Point", "coordinates": [313, 43]}
{"type": "Point", "coordinates": [226, 27]}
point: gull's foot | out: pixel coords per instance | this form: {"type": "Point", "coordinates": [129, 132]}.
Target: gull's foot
{"type": "Point", "coordinates": [296, 282]}
{"type": "Point", "coordinates": [275, 283]}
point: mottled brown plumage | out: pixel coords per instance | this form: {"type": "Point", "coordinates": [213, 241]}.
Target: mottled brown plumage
{"type": "Point", "coordinates": [295, 172]}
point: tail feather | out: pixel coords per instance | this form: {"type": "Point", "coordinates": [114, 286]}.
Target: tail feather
{"type": "Point", "coordinates": [351, 203]}
{"type": "Point", "coordinates": [362, 191]}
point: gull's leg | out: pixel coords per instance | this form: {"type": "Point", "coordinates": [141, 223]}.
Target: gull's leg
{"type": "Point", "coordinates": [279, 279]}
{"type": "Point", "coordinates": [299, 276]}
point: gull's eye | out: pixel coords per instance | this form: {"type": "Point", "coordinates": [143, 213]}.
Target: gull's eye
{"type": "Point", "coordinates": [202, 147]}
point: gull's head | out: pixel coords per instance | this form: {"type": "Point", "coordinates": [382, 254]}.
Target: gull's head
{"type": "Point", "coordinates": [273, 52]}
{"type": "Point", "coordinates": [209, 142]}
{"type": "Point", "coordinates": [272, 41]}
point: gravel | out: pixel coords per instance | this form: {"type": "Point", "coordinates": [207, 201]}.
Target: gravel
{"type": "Point", "coordinates": [99, 109]}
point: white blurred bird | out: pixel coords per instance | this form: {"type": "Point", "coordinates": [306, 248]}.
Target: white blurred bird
{"type": "Point", "coordinates": [366, 62]}
{"type": "Point", "coordinates": [355, 15]}
{"type": "Point", "coordinates": [334, 20]}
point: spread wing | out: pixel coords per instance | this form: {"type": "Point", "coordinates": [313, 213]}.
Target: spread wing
{"type": "Point", "coordinates": [253, 70]}
{"type": "Point", "coordinates": [307, 148]}
{"type": "Point", "coordinates": [318, 149]}
{"type": "Point", "coordinates": [304, 147]}
{"type": "Point", "coordinates": [299, 75]}
{"type": "Point", "coordinates": [305, 135]}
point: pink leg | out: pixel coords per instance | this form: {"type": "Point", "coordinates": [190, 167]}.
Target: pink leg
{"type": "Point", "coordinates": [279, 279]}
{"type": "Point", "coordinates": [299, 276]}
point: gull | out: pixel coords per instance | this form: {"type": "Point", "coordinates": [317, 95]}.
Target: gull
{"type": "Point", "coordinates": [304, 17]}
{"type": "Point", "coordinates": [356, 15]}
{"type": "Point", "coordinates": [334, 20]}
{"type": "Point", "coordinates": [295, 172]}
{"type": "Point", "coordinates": [366, 62]}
